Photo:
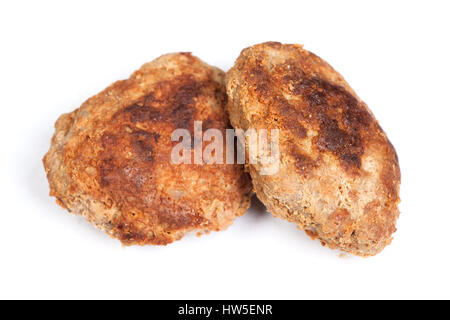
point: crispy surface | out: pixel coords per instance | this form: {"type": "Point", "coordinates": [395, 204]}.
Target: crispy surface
{"type": "Point", "coordinates": [339, 175]}
{"type": "Point", "coordinates": [110, 159]}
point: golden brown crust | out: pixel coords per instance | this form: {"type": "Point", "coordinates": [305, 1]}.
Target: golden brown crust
{"type": "Point", "coordinates": [339, 176]}
{"type": "Point", "coordinates": [110, 159]}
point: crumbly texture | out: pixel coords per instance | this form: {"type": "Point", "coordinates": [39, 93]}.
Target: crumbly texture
{"type": "Point", "coordinates": [339, 176]}
{"type": "Point", "coordinates": [110, 160]}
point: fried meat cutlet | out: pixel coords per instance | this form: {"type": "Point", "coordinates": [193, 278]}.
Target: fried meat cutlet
{"type": "Point", "coordinates": [110, 160]}
{"type": "Point", "coordinates": [338, 176]}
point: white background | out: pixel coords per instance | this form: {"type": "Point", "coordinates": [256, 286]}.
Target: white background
{"type": "Point", "coordinates": [54, 55]}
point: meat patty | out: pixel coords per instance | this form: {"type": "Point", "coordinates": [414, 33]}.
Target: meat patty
{"type": "Point", "coordinates": [338, 176]}
{"type": "Point", "coordinates": [110, 160]}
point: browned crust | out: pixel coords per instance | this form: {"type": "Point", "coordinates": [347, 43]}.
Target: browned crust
{"type": "Point", "coordinates": [339, 176]}
{"type": "Point", "coordinates": [110, 159]}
